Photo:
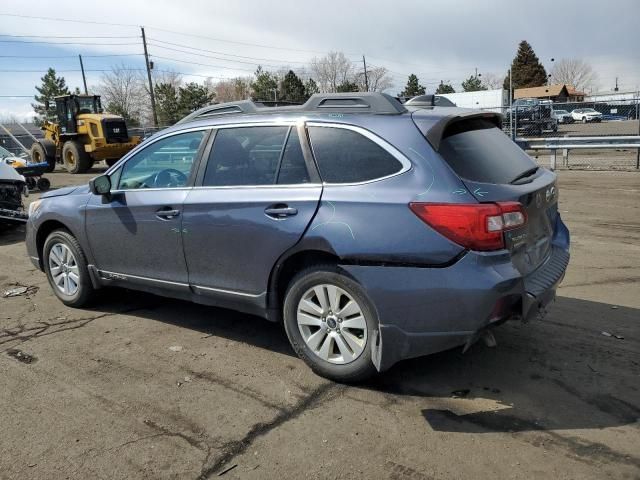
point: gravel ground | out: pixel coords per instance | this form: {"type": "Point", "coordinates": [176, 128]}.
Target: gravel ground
{"type": "Point", "coordinates": [145, 387]}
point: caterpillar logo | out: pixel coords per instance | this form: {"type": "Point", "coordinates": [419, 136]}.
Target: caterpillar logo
{"type": "Point", "coordinates": [116, 130]}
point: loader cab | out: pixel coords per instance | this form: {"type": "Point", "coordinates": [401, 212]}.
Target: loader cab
{"type": "Point", "coordinates": [68, 107]}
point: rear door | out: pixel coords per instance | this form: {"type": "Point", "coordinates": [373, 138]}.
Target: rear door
{"type": "Point", "coordinates": [255, 197]}
{"type": "Point", "coordinates": [495, 169]}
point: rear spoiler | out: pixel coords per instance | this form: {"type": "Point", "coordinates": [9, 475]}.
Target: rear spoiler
{"type": "Point", "coordinates": [436, 132]}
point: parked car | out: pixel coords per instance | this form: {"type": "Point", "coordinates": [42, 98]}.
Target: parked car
{"type": "Point", "coordinates": [562, 116]}
{"type": "Point", "coordinates": [532, 116]}
{"type": "Point", "coordinates": [374, 231]}
{"type": "Point", "coordinates": [13, 187]}
{"type": "Point", "coordinates": [586, 115]}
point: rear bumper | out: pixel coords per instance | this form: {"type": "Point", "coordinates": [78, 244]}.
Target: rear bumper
{"type": "Point", "coordinates": [426, 310]}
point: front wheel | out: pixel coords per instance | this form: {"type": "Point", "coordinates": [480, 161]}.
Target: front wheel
{"type": "Point", "coordinates": [75, 157]}
{"type": "Point", "coordinates": [66, 268]}
{"type": "Point", "coordinates": [331, 323]}
{"type": "Point", "coordinates": [584, 120]}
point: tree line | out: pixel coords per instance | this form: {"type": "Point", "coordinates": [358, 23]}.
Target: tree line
{"type": "Point", "coordinates": [125, 91]}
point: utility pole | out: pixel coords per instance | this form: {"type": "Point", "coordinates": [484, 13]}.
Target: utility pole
{"type": "Point", "coordinates": [84, 79]}
{"type": "Point", "coordinates": [513, 135]}
{"type": "Point", "coordinates": [366, 77]}
{"type": "Point", "coordinates": [153, 97]}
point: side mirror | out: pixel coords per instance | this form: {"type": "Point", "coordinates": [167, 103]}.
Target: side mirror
{"type": "Point", "coordinates": [100, 185]}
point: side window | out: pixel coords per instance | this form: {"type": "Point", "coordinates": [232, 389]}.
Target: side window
{"type": "Point", "coordinates": [166, 163]}
{"type": "Point", "coordinates": [293, 169]}
{"type": "Point", "coordinates": [245, 156]}
{"type": "Point", "coordinates": [345, 156]}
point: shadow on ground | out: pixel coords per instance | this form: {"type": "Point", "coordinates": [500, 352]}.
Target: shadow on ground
{"type": "Point", "coordinates": [554, 374]}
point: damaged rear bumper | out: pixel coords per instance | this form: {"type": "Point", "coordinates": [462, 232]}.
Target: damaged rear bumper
{"type": "Point", "coordinates": [428, 310]}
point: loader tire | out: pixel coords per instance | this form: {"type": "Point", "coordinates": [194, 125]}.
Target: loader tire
{"type": "Point", "coordinates": [74, 157]}
{"type": "Point", "coordinates": [39, 155]}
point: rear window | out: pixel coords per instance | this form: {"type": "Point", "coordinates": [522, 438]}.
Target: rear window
{"type": "Point", "coordinates": [480, 152]}
{"type": "Point", "coordinates": [345, 156]}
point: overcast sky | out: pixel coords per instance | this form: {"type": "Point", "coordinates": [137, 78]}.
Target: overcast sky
{"type": "Point", "coordinates": [437, 40]}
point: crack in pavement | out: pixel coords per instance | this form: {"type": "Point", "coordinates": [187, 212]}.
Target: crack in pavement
{"type": "Point", "coordinates": [12, 334]}
{"type": "Point", "coordinates": [237, 447]}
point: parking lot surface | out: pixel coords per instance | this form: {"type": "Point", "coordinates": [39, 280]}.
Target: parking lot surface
{"type": "Point", "coordinates": [146, 387]}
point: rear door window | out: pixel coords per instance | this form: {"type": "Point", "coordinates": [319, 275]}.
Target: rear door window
{"type": "Point", "coordinates": [346, 156]}
{"type": "Point", "coordinates": [245, 156]}
{"type": "Point", "coordinates": [478, 151]}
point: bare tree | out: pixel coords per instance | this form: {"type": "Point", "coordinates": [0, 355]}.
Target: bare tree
{"type": "Point", "coordinates": [378, 79]}
{"type": "Point", "coordinates": [574, 71]}
{"type": "Point", "coordinates": [492, 81]}
{"type": "Point", "coordinates": [238, 88]}
{"type": "Point", "coordinates": [331, 71]}
{"type": "Point", "coordinates": [123, 93]}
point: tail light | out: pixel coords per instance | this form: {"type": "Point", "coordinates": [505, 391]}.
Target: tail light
{"type": "Point", "coordinates": [477, 226]}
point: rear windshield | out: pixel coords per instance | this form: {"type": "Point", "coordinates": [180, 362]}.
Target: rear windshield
{"type": "Point", "coordinates": [478, 151]}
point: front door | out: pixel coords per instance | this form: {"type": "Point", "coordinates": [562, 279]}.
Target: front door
{"type": "Point", "coordinates": [255, 201]}
{"type": "Point", "coordinates": [136, 234]}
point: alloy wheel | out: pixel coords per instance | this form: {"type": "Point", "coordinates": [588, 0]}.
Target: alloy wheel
{"type": "Point", "coordinates": [64, 269]}
{"type": "Point", "coordinates": [332, 324]}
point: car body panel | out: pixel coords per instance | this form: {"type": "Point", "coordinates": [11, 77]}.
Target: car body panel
{"type": "Point", "coordinates": [429, 293]}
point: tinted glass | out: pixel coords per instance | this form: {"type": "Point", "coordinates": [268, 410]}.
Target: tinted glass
{"type": "Point", "coordinates": [478, 151]}
{"type": "Point", "coordinates": [245, 156]}
{"type": "Point", "coordinates": [166, 163]}
{"type": "Point", "coordinates": [293, 169]}
{"type": "Point", "coordinates": [345, 156]}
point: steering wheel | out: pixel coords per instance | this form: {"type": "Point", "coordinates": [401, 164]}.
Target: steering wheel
{"type": "Point", "coordinates": [169, 177]}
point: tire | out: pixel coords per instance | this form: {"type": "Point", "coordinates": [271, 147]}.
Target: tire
{"type": "Point", "coordinates": [336, 365]}
{"type": "Point", "coordinates": [31, 183]}
{"type": "Point", "coordinates": [43, 184]}
{"type": "Point", "coordinates": [584, 120]}
{"type": "Point", "coordinates": [75, 158]}
{"type": "Point", "coordinates": [39, 155]}
{"type": "Point", "coordinates": [111, 161]}
{"type": "Point", "coordinates": [61, 241]}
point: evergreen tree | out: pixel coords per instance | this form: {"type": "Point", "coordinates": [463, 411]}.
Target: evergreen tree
{"type": "Point", "coordinates": [310, 88]}
{"type": "Point", "coordinates": [347, 86]}
{"type": "Point", "coordinates": [473, 84]}
{"type": "Point", "coordinates": [444, 88]}
{"type": "Point", "coordinates": [413, 87]}
{"type": "Point", "coordinates": [526, 69]}
{"type": "Point", "coordinates": [51, 87]}
{"type": "Point", "coordinates": [192, 97]}
{"type": "Point", "coordinates": [264, 85]}
{"type": "Point", "coordinates": [167, 104]}
{"type": "Point", "coordinates": [292, 88]}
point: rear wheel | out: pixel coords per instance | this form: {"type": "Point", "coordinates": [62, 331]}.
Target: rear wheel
{"type": "Point", "coordinates": [39, 155]}
{"type": "Point", "coordinates": [584, 119]}
{"type": "Point", "coordinates": [111, 161]}
{"type": "Point", "coordinates": [66, 268]}
{"type": "Point", "coordinates": [75, 158]}
{"type": "Point", "coordinates": [330, 322]}
{"type": "Point", "coordinates": [43, 184]}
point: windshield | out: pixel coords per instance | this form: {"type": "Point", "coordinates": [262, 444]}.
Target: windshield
{"type": "Point", "coordinates": [561, 112]}
{"type": "Point", "coordinates": [4, 153]}
{"type": "Point", "coordinates": [589, 110]}
{"type": "Point", "coordinates": [86, 105]}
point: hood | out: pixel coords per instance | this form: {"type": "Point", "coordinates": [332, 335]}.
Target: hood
{"type": "Point", "coordinates": [9, 173]}
{"type": "Point", "coordinates": [59, 192]}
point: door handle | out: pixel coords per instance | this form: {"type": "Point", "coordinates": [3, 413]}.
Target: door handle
{"type": "Point", "coordinates": [280, 211]}
{"type": "Point", "coordinates": [167, 213]}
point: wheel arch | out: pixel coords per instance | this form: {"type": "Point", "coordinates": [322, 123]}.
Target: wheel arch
{"type": "Point", "coordinates": [287, 267]}
{"type": "Point", "coordinates": [44, 231]}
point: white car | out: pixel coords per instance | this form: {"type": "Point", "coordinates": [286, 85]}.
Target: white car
{"type": "Point", "coordinates": [585, 115]}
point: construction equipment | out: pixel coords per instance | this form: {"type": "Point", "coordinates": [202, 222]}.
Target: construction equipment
{"type": "Point", "coordinates": [77, 133]}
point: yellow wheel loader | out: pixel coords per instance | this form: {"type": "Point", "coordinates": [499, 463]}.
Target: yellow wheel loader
{"type": "Point", "coordinates": [78, 133]}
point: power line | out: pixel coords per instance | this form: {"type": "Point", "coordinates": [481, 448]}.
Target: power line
{"type": "Point", "coordinates": [55, 19]}
{"type": "Point", "coordinates": [67, 36]}
{"type": "Point", "coordinates": [66, 43]}
{"type": "Point", "coordinates": [203, 64]}
{"type": "Point", "coordinates": [220, 53]}
{"type": "Point", "coordinates": [73, 56]}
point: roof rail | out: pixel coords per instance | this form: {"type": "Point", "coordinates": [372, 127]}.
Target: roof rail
{"type": "Point", "coordinates": [357, 102]}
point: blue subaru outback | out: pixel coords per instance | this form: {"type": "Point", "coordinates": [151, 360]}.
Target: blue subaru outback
{"type": "Point", "coordinates": [374, 231]}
